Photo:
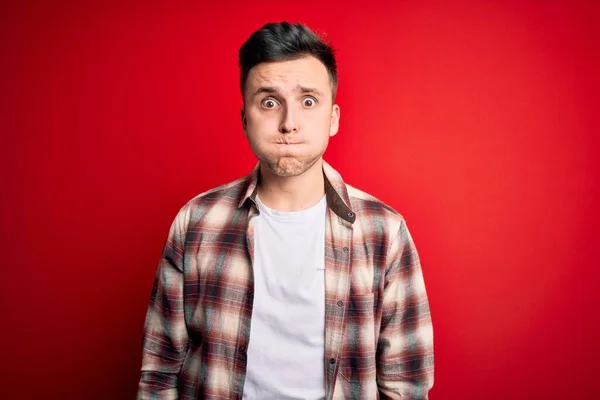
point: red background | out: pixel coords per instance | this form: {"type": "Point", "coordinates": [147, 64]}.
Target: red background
{"type": "Point", "coordinates": [478, 122]}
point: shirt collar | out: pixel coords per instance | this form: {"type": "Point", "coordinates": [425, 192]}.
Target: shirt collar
{"type": "Point", "coordinates": [335, 191]}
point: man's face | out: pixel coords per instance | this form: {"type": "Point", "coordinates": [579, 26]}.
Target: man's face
{"type": "Point", "coordinates": [289, 114]}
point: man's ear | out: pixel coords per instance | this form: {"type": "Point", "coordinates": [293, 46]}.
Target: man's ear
{"type": "Point", "coordinates": [244, 121]}
{"type": "Point", "coordinates": [334, 124]}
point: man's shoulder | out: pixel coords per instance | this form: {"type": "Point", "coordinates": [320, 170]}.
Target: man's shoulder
{"type": "Point", "coordinates": [232, 191]}
{"type": "Point", "coordinates": [220, 201]}
{"type": "Point", "coordinates": [365, 205]}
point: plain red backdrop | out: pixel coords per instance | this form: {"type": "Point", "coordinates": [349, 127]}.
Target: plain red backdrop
{"type": "Point", "coordinates": [478, 122]}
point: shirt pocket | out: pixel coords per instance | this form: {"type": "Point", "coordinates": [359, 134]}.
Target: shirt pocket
{"type": "Point", "coordinates": [357, 361]}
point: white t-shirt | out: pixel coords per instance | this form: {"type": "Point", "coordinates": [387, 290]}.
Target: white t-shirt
{"type": "Point", "coordinates": [287, 334]}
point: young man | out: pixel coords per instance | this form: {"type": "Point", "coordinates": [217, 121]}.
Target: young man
{"type": "Point", "coordinates": [288, 283]}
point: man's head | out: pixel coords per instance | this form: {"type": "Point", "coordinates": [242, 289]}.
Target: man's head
{"type": "Point", "coordinates": [288, 78]}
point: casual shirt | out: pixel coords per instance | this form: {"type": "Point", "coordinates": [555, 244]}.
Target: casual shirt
{"type": "Point", "coordinates": [378, 332]}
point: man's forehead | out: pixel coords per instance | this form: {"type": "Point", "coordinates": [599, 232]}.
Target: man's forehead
{"type": "Point", "coordinates": [293, 74]}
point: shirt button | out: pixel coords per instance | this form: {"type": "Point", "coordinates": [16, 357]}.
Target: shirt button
{"type": "Point", "coordinates": [332, 361]}
{"type": "Point", "coordinates": [345, 249]}
{"type": "Point", "coordinates": [340, 303]}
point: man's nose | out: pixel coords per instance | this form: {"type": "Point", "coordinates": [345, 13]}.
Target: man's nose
{"type": "Point", "coordinates": [289, 122]}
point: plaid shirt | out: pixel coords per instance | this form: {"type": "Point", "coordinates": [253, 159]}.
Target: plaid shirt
{"type": "Point", "coordinates": [379, 338]}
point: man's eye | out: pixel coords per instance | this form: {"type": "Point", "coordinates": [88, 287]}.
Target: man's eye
{"type": "Point", "coordinates": [269, 103]}
{"type": "Point", "coordinates": [309, 102]}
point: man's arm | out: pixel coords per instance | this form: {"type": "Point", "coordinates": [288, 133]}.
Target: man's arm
{"type": "Point", "coordinates": [405, 347]}
{"type": "Point", "coordinates": [165, 340]}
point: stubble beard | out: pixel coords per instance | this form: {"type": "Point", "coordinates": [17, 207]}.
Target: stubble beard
{"type": "Point", "coordinates": [289, 166]}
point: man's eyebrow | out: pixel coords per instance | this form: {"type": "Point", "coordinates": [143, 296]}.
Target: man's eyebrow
{"type": "Point", "coordinates": [266, 89]}
{"type": "Point", "coordinates": [304, 89]}
{"type": "Point", "coordinates": [274, 89]}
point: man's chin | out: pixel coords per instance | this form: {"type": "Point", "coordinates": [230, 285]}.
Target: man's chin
{"type": "Point", "coordinates": [289, 167]}
{"type": "Point", "coordinates": [287, 171]}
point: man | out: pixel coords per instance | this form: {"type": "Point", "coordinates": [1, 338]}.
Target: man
{"type": "Point", "coordinates": [288, 283]}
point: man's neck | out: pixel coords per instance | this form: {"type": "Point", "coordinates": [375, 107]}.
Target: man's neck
{"type": "Point", "coordinates": [294, 193]}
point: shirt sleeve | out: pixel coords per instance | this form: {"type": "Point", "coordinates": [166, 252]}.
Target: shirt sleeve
{"type": "Point", "coordinates": [405, 348]}
{"type": "Point", "coordinates": [165, 338]}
